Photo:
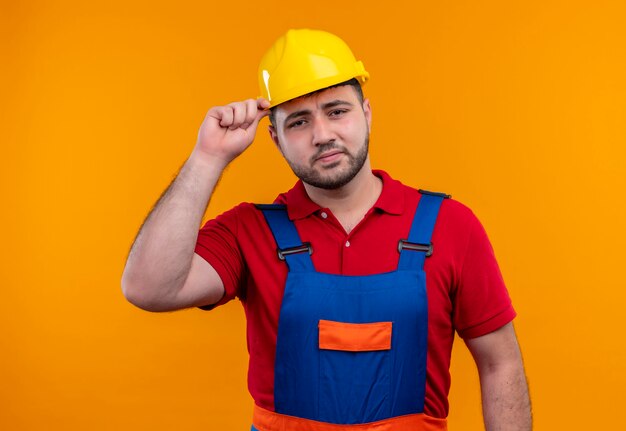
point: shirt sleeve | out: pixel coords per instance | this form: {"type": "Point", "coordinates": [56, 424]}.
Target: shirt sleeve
{"type": "Point", "coordinates": [482, 303]}
{"type": "Point", "coordinates": [217, 244]}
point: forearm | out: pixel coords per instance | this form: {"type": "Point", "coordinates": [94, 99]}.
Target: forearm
{"type": "Point", "coordinates": [506, 404]}
{"type": "Point", "coordinates": [159, 274]}
{"type": "Point", "coordinates": [160, 257]}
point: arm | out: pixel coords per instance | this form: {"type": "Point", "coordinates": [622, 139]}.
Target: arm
{"type": "Point", "coordinates": [506, 405]}
{"type": "Point", "coordinates": [162, 271]}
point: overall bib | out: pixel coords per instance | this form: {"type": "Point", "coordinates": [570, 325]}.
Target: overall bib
{"type": "Point", "coordinates": [351, 350]}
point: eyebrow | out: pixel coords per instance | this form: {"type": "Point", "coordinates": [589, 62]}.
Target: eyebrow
{"type": "Point", "coordinates": [331, 104]}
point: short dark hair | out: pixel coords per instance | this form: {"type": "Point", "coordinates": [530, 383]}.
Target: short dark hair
{"type": "Point", "coordinates": [352, 82]}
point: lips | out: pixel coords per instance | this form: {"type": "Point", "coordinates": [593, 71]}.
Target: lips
{"type": "Point", "coordinates": [328, 156]}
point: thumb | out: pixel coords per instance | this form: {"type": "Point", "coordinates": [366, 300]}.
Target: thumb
{"type": "Point", "coordinates": [263, 106]}
{"type": "Point", "coordinates": [262, 111]}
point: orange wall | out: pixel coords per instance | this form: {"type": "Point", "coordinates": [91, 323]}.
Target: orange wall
{"type": "Point", "coordinates": [517, 109]}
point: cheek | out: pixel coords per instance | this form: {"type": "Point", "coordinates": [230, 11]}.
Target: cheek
{"type": "Point", "coordinates": [293, 143]}
{"type": "Point", "coordinates": [354, 131]}
{"type": "Point", "coordinates": [289, 150]}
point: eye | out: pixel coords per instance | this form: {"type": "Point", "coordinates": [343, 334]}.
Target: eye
{"type": "Point", "coordinates": [337, 112]}
{"type": "Point", "coordinates": [295, 124]}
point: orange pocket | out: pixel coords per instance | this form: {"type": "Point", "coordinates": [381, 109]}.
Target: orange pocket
{"type": "Point", "coordinates": [354, 337]}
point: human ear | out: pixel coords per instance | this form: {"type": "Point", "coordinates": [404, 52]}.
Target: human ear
{"type": "Point", "coordinates": [272, 130]}
{"type": "Point", "coordinates": [367, 110]}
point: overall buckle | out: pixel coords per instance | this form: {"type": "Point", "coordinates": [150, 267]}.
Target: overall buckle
{"type": "Point", "coordinates": [306, 246]}
{"type": "Point", "coordinates": [404, 244]}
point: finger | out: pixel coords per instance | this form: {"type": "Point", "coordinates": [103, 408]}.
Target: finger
{"type": "Point", "coordinates": [262, 111]}
{"type": "Point", "coordinates": [239, 115]}
{"type": "Point", "coordinates": [221, 114]}
{"type": "Point", "coordinates": [263, 103]}
{"type": "Point", "coordinates": [251, 110]}
{"type": "Point", "coordinates": [225, 116]}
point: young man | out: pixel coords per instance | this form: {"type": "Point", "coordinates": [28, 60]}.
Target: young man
{"type": "Point", "coordinates": [353, 284]}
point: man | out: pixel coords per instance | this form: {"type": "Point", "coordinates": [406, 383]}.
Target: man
{"type": "Point", "coordinates": [353, 284]}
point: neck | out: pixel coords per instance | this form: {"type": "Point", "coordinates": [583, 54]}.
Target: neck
{"type": "Point", "coordinates": [355, 198]}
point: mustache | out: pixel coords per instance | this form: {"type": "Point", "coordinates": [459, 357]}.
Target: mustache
{"type": "Point", "coordinates": [326, 147]}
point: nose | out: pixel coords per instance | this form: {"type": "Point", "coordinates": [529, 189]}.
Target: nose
{"type": "Point", "coordinates": [322, 131]}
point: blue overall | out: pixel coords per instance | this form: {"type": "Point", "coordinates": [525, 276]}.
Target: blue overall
{"type": "Point", "coordinates": [348, 387]}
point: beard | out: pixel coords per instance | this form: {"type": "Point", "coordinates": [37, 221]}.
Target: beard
{"type": "Point", "coordinates": [312, 176]}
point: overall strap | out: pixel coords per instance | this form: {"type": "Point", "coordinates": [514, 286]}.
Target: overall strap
{"type": "Point", "coordinates": [418, 246]}
{"type": "Point", "coordinates": [290, 248]}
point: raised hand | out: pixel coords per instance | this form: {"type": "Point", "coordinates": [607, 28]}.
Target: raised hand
{"type": "Point", "coordinates": [228, 130]}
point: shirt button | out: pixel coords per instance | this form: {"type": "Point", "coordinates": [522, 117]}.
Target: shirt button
{"type": "Point", "coordinates": [323, 214]}
{"type": "Point", "coordinates": [347, 243]}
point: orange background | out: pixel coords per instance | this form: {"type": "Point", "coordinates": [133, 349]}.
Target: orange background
{"type": "Point", "coordinates": [517, 109]}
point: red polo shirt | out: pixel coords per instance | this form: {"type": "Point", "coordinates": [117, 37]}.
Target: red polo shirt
{"type": "Point", "coordinates": [465, 289]}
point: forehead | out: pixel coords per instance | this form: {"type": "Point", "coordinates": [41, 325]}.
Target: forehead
{"type": "Point", "coordinates": [317, 100]}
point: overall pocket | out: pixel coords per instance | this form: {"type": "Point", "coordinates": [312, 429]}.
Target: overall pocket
{"type": "Point", "coordinates": [355, 371]}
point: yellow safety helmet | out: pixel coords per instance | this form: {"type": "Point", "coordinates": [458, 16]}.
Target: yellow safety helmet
{"type": "Point", "coordinates": [302, 61]}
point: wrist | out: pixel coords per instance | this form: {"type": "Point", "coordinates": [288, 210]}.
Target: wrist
{"type": "Point", "coordinates": [207, 162]}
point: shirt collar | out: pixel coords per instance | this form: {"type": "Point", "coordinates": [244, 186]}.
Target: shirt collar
{"type": "Point", "coordinates": [299, 205]}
